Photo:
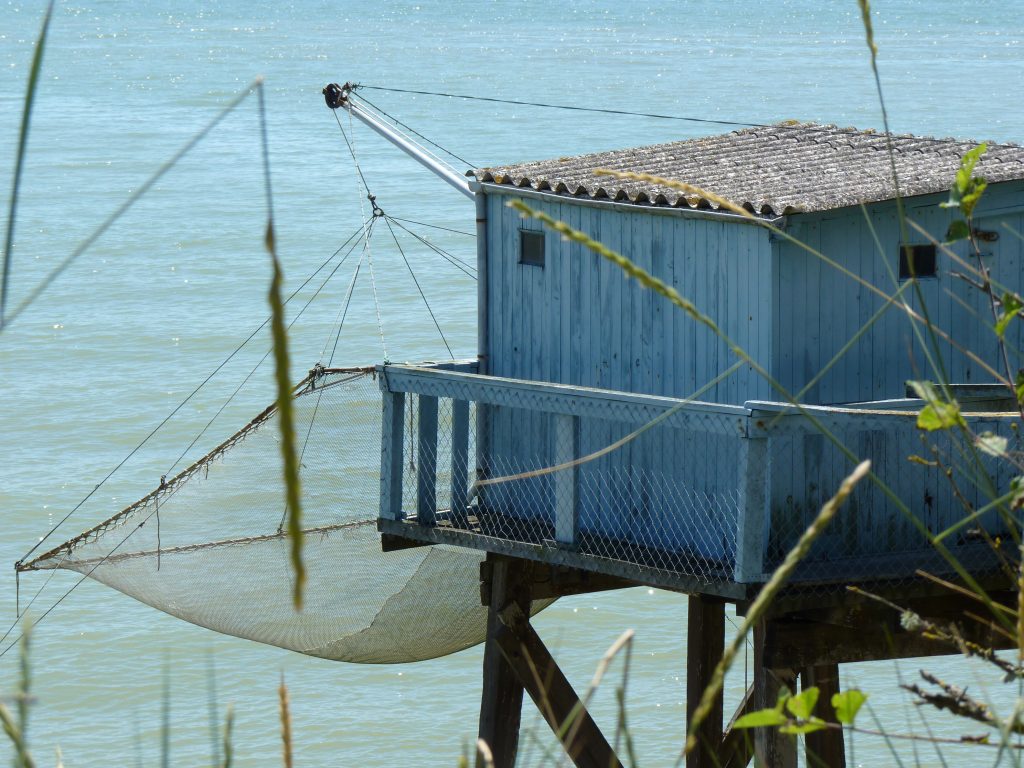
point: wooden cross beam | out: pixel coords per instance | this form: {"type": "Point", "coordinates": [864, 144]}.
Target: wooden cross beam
{"type": "Point", "coordinates": [516, 659]}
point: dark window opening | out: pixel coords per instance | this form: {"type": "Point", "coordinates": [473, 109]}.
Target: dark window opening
{"type": "Point", "coordinates": [531, 248]}
{"type": "Point", "coordinates": [920, 257]}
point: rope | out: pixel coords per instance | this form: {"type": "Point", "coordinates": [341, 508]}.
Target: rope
{"type": "Point", "coordinates": [455, 261]}
{"type": "Point", "coordinates": [423, 296]}
{"type": "Point", "coordinates": [440, 160]}
{"type": "Point", "coordinates": [177, 408]}
{"type": "Point", "coordinates": [376, 303]}
{"type": "Point", "coordinates": [412, 130]}
{"type": "Point", "coordinates": [624, 112]}
{"type": "Point", "coordinates": [316, 409]}
{"type": "Point", "coordinates": [266, 354]}
{"type": "Point", "coordinates": [366, 235]}
{"type": "Point", "coordinates": [348, 301]}
{"type": "Point", "coordinates": [433, 226]}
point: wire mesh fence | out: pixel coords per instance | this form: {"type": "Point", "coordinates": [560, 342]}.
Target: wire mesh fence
{"type": "Point", "coordinates": [715, 493]}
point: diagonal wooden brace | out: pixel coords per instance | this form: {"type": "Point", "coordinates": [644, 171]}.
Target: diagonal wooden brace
{"type": "Point", "coordinates": [554, 696]}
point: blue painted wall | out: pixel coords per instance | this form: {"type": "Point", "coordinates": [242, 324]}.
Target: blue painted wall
{"type": "Point", "coordinates": [818, 309]}
{"type": "Point", "coordinates": [579, 320]}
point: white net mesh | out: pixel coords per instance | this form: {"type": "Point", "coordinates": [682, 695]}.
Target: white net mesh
{"type": "Point", "coordinates": [207, 545]}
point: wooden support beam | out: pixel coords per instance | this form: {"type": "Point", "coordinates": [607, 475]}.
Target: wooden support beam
{"type": "Point", "coordinates": [824, 749]}
{"type": "Point", "coordinates": [390, 543]}
{"type": "Point", "coordinates": [771, 748]}
{"type": "Point", "coordinates": [393, 425]}
{"type": "Point", "coordinates": [815, 638]}
{"type": "Point", "coordinates": [460, 463]}
{"type": "Point", "coordinates": [501, 703]}
{"type": "Point", "coordinates": [737, 743]}
{"type": "Point", "coordinates": [547, 581]}
{"type": "Point", "coordinates": [426, 469]}
{"type": "Point", "coordinates": [751, 471]}
{"type": "Point", "coordinates": [705, 641]}
{"type": "Point", "coordinates": [554, 696]}
{"type": "Point", "coordinates": [566, 481]}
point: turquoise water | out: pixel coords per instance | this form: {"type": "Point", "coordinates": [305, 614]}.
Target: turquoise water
{"type": "Point", "coordinates": [176, 284]}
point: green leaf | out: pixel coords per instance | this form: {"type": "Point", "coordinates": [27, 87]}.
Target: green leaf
{"type": "Point", "coordinates": [939, 415]}
{"type": "Point", "coordinates": [807, 726]}
{"type": "Point", "coordinates": [1018, 386]}
{"type": "Point", "coordinates": [969, 200]}
{"type": "Point", "coordinates": [802, 704]}
{"type": "Point", "coordinates": [1012, 306]}
{"type": "Point", "coordinates": [967, 188]}
{"type": "Point", "coordinates": [958, 230]}
{"type": "Point", "coordinates": [992, 444]}
{"type": "Point", "coordinates": [1017, 489]}
{"type": "Point", "coordinates": [847, 704]}
{"type": "Point", "coordinates": [761, 719]}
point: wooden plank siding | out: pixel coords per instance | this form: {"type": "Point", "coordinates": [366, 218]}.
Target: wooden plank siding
{"type": "Point", "coordinates": [579, 320]}
{"type": "Point", "coordinates": [817, 308]}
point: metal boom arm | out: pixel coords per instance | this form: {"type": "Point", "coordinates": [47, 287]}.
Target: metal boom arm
{"type": "Point", "coordinates": [338, 96]}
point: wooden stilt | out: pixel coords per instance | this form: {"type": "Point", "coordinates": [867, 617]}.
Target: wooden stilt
{"type": "Point", "coordinates": [554, 696]}
{"type": "Point", "coordinates": [501, 702]}
{"type": "Point", "coordinates": [705, 641]}
{"type": "Point", "coordinates": [825, 749]}
{"type": "Point", "coordinates": [738, 745]}
{"type": "Point", "coordinates": [771, 748]}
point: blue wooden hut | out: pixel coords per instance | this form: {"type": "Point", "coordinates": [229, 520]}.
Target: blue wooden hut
{"type": "Point", "coordinates": [576, 357]}
{"type": "Point", "coordinates": [604, 438]}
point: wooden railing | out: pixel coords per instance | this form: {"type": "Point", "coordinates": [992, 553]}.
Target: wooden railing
{"type": "Point", "coordinates": [782, 464]}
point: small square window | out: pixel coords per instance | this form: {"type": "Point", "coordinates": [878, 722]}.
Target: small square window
{"type": "Point", "coordinates": [922, 257]}
{"type": "Point", "coordinates": [531, 248]}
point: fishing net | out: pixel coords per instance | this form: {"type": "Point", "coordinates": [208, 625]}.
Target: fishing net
{"type": "Point", "coordinates": [208, 546]}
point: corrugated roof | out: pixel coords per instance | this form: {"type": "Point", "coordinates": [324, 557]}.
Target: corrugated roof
{"type": "Point", "coordinates": [771, 170]}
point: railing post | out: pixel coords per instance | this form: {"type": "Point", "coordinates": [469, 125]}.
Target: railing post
{"type": "Point", "coordinates": [392, 434]}
{"type": "Point", "coordinates": [752, 474]}
{"type": "Point", "coordinates": [426, 470]}
{"type": "Point", "coordinates": [567, 441]}
{"type": "Point", "coordinates": [460, 463]}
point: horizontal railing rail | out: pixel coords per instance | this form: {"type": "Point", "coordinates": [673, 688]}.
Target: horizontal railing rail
{"type": "Point", "coordinates": [729, 486]}
{"type": "Point", "coordinates": [565, 399]}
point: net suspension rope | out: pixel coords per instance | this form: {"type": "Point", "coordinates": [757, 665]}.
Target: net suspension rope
{"type": "Point", "coordinates": [365, 230]}
{"type": "Point", "coordinates": [19, 611]}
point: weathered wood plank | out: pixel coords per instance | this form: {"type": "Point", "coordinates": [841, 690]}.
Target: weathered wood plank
{"type": "Point", "coordinates": [566, 501]}
{"type": "Point", "coordinates": [602, 404]}
{"type": "Point", "coordinates": [752, 477]}
{"type": "Point", "coordinates": [642, 574]}
{"type": "Point", "coordinates": [771, 748]}
{"type": "Point", "coordinates": [392, 434]}
{"type": "Point", "coordinates": [501, 702]}
{"type": "Point", "coordinates": [460, 462]}
{"type": "Point", "coordinates": [559, 704]}
{"type": "Point", "coordinates": [426, 467]}
{"type": "Point", "coordinates": [801, 641]}
{"type": "Point", "coordinates": [826, 748]}
{"type": "Point", "coordinates": [705, 641]}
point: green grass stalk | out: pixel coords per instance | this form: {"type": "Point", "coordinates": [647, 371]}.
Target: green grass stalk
{"type": "Point", "coordinates": [19, 162]}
